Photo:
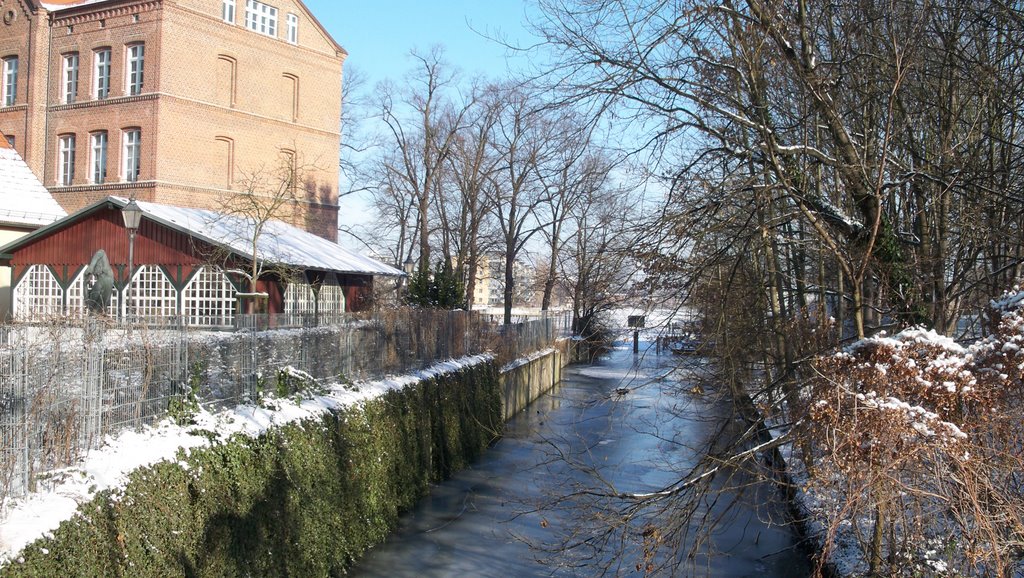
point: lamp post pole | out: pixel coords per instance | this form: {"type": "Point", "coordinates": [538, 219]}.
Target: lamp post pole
{"type": "Point", "coordinates": [132, 215]}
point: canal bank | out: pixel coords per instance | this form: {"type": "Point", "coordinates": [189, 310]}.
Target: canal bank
{"type": "Point", "coordinates": [291, 486]}
{"type": "Point", "coordinates": [621, 419]}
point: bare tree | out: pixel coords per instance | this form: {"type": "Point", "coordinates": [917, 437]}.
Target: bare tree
{"type": "Point", "coordinates": [473, 162]}
{"type": "Point", "coordinates": [574, 174]}
{"type": "Point", "coordinates": [522, 142]}
{"type": "Point", "coordinates": [855, 161]}
{"type": "Point", "coordinates": [422, 122]}
{"type": "Point", "coordinates": [264, 196]}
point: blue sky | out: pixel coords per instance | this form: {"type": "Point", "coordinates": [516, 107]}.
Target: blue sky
{"type": "Point", "coordinates": [379, 34]}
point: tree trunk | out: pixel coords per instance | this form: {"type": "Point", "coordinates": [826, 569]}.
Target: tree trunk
{"type": "Point", "coordinates": [509, 285]}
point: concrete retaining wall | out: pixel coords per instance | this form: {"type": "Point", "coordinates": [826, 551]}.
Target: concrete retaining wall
{"type": "Point", "coordinates": [523, 381]}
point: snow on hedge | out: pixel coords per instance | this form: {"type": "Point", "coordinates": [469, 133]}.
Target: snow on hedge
{"type": "Point", "coordinates": [23, 521]}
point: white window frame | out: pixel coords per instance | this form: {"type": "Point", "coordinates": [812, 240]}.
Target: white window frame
{"type": "Point", "coordinates": [69, 74]}
{"type": "Point", "coordinates": [101, 74]}
{"type": "Point", "coordinates": [131, 154]}
{"type": "Point", "coordinates": [261, 18]}
{"type": "Point", "coordinates": [299, 299]}
{"type": "Point", "coordinates": [66, 160]}
{"type": "Point", "coordinates": [153, 295]}
{"type": "Point", "coordinates": [208, 299]}
{"type": "Point", "coordinates": [228, 11]}
{"type": "Point", "coordinates": [330, 297]}
{"type": "Point", "coordinates": [293, 28]}
{"type": "Point", "coordinates": [136, 67]}
{"type": "Point", "coordinates": [10, 86]}
{"type": "Point", "coordinates": [98, 157]}
{"type": "Point", "coordinates": [37, 294]}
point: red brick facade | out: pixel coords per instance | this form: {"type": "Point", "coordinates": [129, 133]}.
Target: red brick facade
{"type": "Point", "coordinates": [221, 107]}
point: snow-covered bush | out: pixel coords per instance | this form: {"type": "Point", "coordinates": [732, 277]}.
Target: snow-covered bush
{"type": "Point", "coordinates": [913, 444]}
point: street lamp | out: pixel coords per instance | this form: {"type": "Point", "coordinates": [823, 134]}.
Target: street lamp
{"type": "Point", "coordinates": [403, 283]}
{"type": "Point", "coordinates": [132, 215]}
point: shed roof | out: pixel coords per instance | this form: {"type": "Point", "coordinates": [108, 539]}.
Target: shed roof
{"type": "Point", "coordinates": [24, 201]}
{"type": "Point", "coordinates": [279, 243]}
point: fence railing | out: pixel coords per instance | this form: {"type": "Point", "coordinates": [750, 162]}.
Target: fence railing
{"type": "Point", "coordinates": [65, 385]}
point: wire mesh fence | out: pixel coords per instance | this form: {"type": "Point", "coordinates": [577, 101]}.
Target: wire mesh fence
{"type": "Point", "coordinates": [66, 385]}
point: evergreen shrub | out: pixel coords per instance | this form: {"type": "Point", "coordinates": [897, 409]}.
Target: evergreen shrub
{"type": "Point", "coordinates": [305, 499]}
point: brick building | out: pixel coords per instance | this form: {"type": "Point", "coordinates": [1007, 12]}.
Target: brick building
{"type": "Point", "coordinates": [183, 102]}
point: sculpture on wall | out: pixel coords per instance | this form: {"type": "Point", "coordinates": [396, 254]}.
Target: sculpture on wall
{"type": "Point", "coordinates": [99, 282]}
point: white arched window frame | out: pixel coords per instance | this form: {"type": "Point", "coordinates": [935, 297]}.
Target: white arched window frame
{"type": "Point", "coordinates": [209, 299]}
{"type": "Point", "coordinates": [153, 294]}
{"type": "Point", "coordinates": [299, 299]}
{"type": "Point", "coordinates": [76, 297]}
{"type": "Point", "coordinates": [331, 297]}
{"type": "Point", "coordinates": [38, 294]}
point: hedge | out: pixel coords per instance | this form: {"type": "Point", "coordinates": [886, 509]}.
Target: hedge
{"type": "Point", "coordinates": [305, 499]}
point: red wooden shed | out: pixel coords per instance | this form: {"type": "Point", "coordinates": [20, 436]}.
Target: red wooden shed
{"type": "Point", "coordinates": [186, 263]}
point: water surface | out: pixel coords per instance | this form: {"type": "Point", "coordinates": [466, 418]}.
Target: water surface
{"type": "Point", "coordinates": [625, 420]}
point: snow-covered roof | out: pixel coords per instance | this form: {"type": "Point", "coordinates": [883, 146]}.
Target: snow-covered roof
{"type": "Point", "coordinates": [279, 242]}
{"type": "Point", "coordinates": [24, 200]}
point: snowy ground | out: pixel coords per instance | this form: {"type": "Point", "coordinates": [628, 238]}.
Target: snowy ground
{"type": "Point", "coordinates": [25, 520]}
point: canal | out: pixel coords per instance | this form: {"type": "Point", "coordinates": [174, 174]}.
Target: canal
{"type": "Point", "coordinates": [625, 420]}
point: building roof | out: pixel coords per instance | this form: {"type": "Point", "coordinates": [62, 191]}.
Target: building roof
{"type": "Point", "coordinates": [279, 243]}
{"type": "Point", "coordinates": [24, 201]}
{"type": "Point", "coordinates": [58, 5]}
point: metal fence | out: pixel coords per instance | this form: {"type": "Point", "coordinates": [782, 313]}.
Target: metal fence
{"type": "Point", "coordinates": [64, 385]}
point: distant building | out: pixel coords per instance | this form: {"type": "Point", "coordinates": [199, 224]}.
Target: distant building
{"type": "Point", "coordinates": [188, 264]}
{"type": "Point", "coordinates": [25, 205]}
{"type": "Point", "coordinates": [489, 285]}
{"type": "Point", "coordinates": [174, 101]}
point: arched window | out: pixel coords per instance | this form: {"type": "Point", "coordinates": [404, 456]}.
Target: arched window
{"type": "Point", "coordinates": [227, 12]}
{"type": "Point", "coordinates": [209, 299]}
{"type": "Point", "coordinates": [131, 154]}
{"type": "Point", "coordinates": [331, 298]}
{"type": "Point", "coordinates": [152, 294]}
{"type": "Point", "coordinates": [9, 88]}
{"type": "Point", "coordinates": [66, 160]}
{"type": "Point", "coordinates": [38, 294]}
{"type": "Point", "coordinates": [299, 299]}
{"type": "Point", "coordinates": [101, 73]}
{"type": "Point", "coordinates": [135, 56]}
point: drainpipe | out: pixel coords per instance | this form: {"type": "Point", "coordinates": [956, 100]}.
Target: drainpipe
{"type": "Point", "coordinates": [28, 99]}
{"type": "Point", "coordinates": [46, 95]}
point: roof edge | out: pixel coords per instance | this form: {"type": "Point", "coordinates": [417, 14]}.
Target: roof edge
{"type": "Point", "coordinates": [323, 30]}
{"type": "Point", "coordinates": [45, 229]}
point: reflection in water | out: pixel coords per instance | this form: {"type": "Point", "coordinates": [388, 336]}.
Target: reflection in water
{"type": "Point", "coordinates": [621, 424]}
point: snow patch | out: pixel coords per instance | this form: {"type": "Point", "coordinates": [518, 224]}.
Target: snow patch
{"type": "Point", "coordinates": [25, 520]}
